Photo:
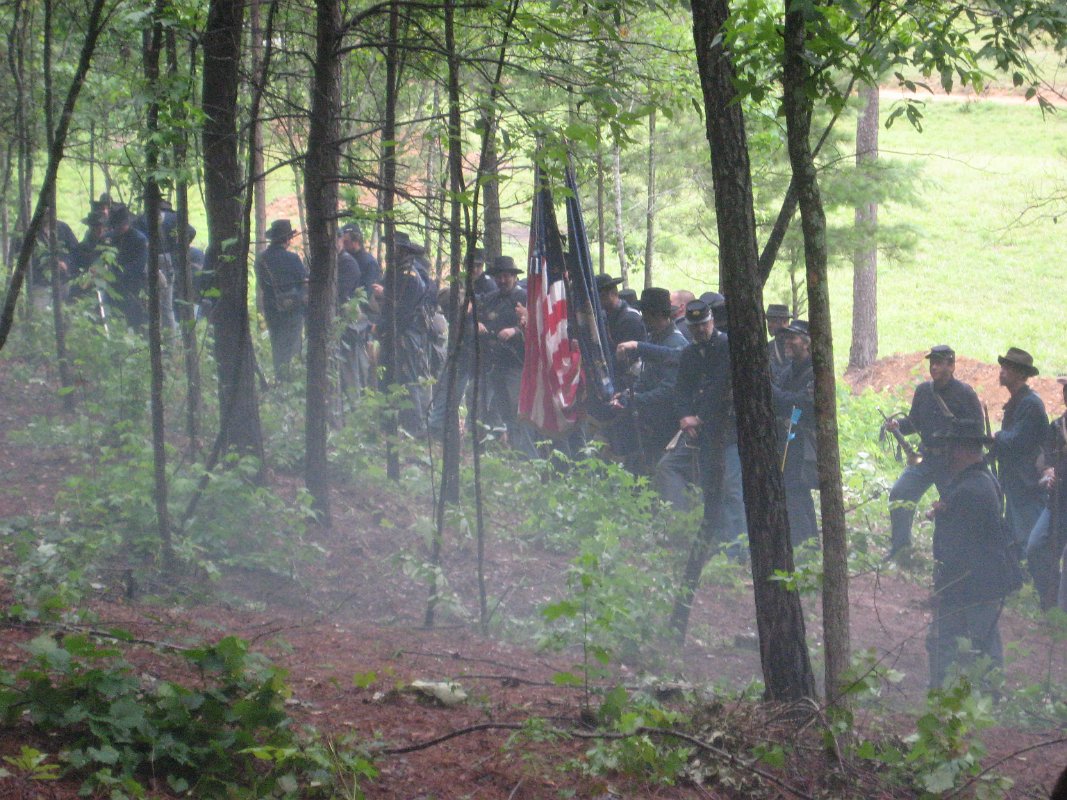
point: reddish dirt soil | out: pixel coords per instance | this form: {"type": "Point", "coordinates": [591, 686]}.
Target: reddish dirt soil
{"type": "Point", "coordinates": [353, 612]}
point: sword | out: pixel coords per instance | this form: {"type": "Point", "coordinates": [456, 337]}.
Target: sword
{"type": "Point", "coordinates": [790, 434]}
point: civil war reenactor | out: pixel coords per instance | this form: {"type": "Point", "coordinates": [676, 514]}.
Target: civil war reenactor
{"type": "Point", "coordinates": [354, 363]}
{"type": "Point", "coordinates": [502, 334]}
{"type": "Point", "coordinates": [370, 270]}
{"type": "Point", "coordinates": [482, 283]}
{"type": "Point", "coordinates": [131, 266]}
{"type": "Point", "coordinates": [40, 285]}
{"type": "Point", "coordinates": [1048, 540]}
{"type": "Point", "coordinates": [648, 427]}
{"type": "Point", "coordinates": [283, 278]}
{"type": "Point", "coordinates": [1017, 445]}
{"type": "Point", "coordinates": [975, 567]}
{"type": "Point", "coordinates": [777, 320]}
{"type": "Point", "coordinates": [705, 409]}
{"type": "Point", "coordinates": [412, 308]}
{"type": "Point", "coordinates": [795, 391]}
{"type": "Point", "coordinates": [623, 323]}
{"type": "Point", "coordinates": [935, 404]}
{"type": "Point", "coordinates": [168, 250]}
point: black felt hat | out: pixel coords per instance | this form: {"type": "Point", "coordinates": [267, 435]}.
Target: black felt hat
{"type": "Point", "coordinates": [605, 281]}
{"type": "Point", "coordinates": [656, 301]}
{"type": "Point", "coordinates": [778, 311]}
{"type": "Point", "coordinates": [941, 351]}
{"type": "Point", "coordinates": [405, 246]}
{"type": "Point", "coordinates": [697, 312]}
{"type": "Point", "coordinates": [799, 327]}
{"type": "Point", "coordinates": [502, 264]}
{"type": "Point", "coordinates": [119, 216]}
{"type": "Point", "coordinates": [1020, 360]}
{"type": "Point", "coordinates": [965, 430]}
{"type": "Point", "coordinates": [281, 230]}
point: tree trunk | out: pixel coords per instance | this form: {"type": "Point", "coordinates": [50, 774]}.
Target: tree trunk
{"type": "Point", "coordinates": [620, 234]}
{"type": "Point", "coordinates": [153, 44]}
{"type": "Point", "coordinates": [864, 349]}
{"type": "Point", "coordinates": [450, 456]}
{"type": "Point", "coordinates": [59, 324]}
{"type": "Point", "coordinates": [388, 137]}
{"type": "Point", "coordinates": [227, 252]}
{"type": "Point", "coordinates": [650, 205]}
{"type": "Point", "coordinates": [55, 155]}
{"type": "Point", "coordinates": [182, 272]}
{"type": "Point", "coordinates": [260, 180]}
{"type": "Point", "coordinates": [779, 616]}
{"type": "Point", "coordinates": [797, 105]}
{"type": "Point", "coordinates": [492, 235]}
{"type": "Point", "coordinates": [599, 200]}
{"type": "Point", "coordinates": [321, 168]}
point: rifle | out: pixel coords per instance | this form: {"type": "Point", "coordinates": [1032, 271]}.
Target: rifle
{"type": "Point", "coordinates": [911, 455]}
{"type": "Point", "coordinates": [991, 459]}
{"type": "Point", "coordinates": [102, 308]}
{"type": "Point", "coordinates": [790, 434]}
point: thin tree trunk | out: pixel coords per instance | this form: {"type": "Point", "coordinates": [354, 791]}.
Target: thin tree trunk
{"type": "Point", "coordinates": [260, 238]}
{"type": "Point", "coordinates": [321, 167]}
{"type": "Point", "coordinates": [182, 273]}
{"type": "Point", "coordinates": [153, 44]}
{"type": "Point", "coordinates": [227, 253]}
{"type": "Point", "coordinates": [492, 235]}
{"type": "Point", "coordinates": [600, 200]}
{"type": "Point", "coordinates": [650, 206]}
{"type": "Point", "coordinates": [59, 324]}
{"type": "Point", "coordinates": [450, 457]}
{"type": "Point", "coordinates": [387, 199]}
{"type": "Point", "coordinates": [797, 105]}
{"type": "Point", "coordinates": [55, 155]}
{"type": "Point", "coordinates": [620, 234]}
{"type": "Point", "coordinates": [864, 349]}
{"type": "Point", "coordinates": [779, 617]}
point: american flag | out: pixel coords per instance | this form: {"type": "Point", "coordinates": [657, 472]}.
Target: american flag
{"type": "Point", "coordinates": [552, 368]}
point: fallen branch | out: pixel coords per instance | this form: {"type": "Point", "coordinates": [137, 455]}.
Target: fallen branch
{"type": "Point", "coordinates": [725, 755]}
{"type": "Point", "coordinates": [1047, 743]}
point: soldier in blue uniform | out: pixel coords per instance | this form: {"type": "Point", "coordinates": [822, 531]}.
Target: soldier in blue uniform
{"type": "Point", "coordinates": [624, 324]}
{"type": "Point", "coordinates": [503, 345]}
{"type": "Point", "coordinates": [796, 389]}
{"type": "Point", "coordinates": [646, 426]}
{"type": "Point", "coordinates": [131, 266]}
{"type": "Point", "coordinates": [705, 410]}
{"type": "Point", "coordinates": [412, 308]}
{"type": "Point", "coordinates": [973, 570]}
{"type": "Point", "coordinates": [936, 403]}
{"type": "Point", "coordinates": [283, 278]}
{"type": "Point", "coordinates": [1017, 445]}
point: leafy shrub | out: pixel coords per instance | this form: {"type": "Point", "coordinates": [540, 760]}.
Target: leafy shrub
{"type": "Point", "coordinates": [127, 734]}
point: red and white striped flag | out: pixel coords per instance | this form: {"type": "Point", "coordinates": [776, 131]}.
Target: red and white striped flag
{"type": "Point", "coordinates": [552, 368]}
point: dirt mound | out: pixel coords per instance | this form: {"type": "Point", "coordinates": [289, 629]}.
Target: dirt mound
{"type": "Point", "coordinates": [901, 373]}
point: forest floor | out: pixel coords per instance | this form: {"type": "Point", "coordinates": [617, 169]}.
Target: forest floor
{"type": "Point", "coordinates": [354, 612]}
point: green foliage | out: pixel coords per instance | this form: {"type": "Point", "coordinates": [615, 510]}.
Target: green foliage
{"type": "Point", "coordinates": [126, 733]}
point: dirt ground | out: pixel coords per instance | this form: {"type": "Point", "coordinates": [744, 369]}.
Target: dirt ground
{"type": "Point", "coordinates": [352, 612]}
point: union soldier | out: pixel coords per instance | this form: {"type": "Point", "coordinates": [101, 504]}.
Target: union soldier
{"type": "Point", "coordinates": [412, 308]}
{"type": "Point", "coordinates": [131, 266]}
{"type": "Point", "coordinates": [679, 299]}
{"type": "Point", "coordinates": [283, 277]}
{"type": "Point", "coordinates": [1017, 445]}
{"type": "Point", "coordinates": [704, 403]}
{"type": "Point", "coordinates": [41, 262]}
{"type": "Point", "coordinates": [935, 404]}
{"type": "Point", "coordinates": [973, 572]}
{"type": "Point", "coordinates": [623, 323]}
{"type": "Point", "coordinates": [500, 326]}
{"type": "Point", "coordinates": [1048, 539]}
{"type": "Point", "coordinates": [370, 272]}
{"type": "Point", "coordinates": [654, 386]}
{"type": "Point", "coordinates": [483, 283]}
{"type": "Point", "coordinates": [796, 390]}
{"type": "Point", "coordinates": [777, 320]}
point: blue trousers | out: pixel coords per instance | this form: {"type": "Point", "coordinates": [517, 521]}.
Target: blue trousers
{"type": "Point", "coordinates": [975, 621]}
{"type": "Point", "coordinates": [909, 489]}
